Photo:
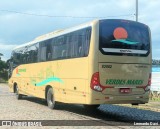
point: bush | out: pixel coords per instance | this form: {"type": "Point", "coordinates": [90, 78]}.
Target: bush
{"type": "Point", "coordinates": [154, 96]}
{"type": "Point", "coordinates": [3, 71]}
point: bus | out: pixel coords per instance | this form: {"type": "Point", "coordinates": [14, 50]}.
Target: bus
{"type": "Point", "coordinates": [105, 61]}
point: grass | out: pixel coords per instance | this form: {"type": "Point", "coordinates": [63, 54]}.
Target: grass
{"type": "Point", "coordinates": [3, 81]}
{"type": "Point", "coordinates": [155, 99]}
{"type": "Point", "coordinates": [154, 96]}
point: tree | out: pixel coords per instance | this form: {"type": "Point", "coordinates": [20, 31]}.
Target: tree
{"type": "Point", "coordinates": [155, 62]}
{"type": "Point", "coordinates": [3, 69]}
{"type": "Point", "coordinates": [1, 55]}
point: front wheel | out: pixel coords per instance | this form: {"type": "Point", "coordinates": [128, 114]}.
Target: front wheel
{"type": "Point", "coordinates": [18, 96]}
{"type": "Point", "coordinates": [50, 99]}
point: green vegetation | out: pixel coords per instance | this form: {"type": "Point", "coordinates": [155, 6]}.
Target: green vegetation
{"type": "Point", "coordinates": [155, 62]}
{"type": "Point", "coordinates": [3, 70]}
{"type": "Point", "coordinates": [154, 96]}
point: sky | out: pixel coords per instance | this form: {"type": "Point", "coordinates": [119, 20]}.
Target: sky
{"type": "Point", "coordinates": [16, 28]}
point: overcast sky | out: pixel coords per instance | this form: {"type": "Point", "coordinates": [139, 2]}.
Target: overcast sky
{"type": "Point", "coordinates": [17, 28]}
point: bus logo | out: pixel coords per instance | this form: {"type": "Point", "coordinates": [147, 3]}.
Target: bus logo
{"type": "Point", "coordinates": [18, 71]}
{"type": "Point", "coordinates": [106, 66]}
{"type": "Point", "coordinates": [126, 51]}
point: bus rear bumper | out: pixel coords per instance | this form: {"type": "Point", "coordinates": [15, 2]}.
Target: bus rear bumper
{"type": "Point", "coordinates": [121, 99]}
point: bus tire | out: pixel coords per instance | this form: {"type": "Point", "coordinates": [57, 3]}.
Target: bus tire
{"type": "Point", "coordinates": [135, 104]}
{"type": "Point", "coordinates": [50, 98]}
{"type": "Point", "coordinates": [18, 96]}
{"type": "Point", "coordinates": [91, 107]}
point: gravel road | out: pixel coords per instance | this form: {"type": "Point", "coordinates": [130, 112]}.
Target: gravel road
{"type": "Point", "coordinates": [30, 108]}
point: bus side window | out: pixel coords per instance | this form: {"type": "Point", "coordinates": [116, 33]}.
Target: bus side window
{"type": "Point", "coordinates": [80, 51]}
{"type": "Point", "coordinates": [15, 62]}
{"type": "Point", "coordinates": [61, 47]}
{"type": "Point", "coordinates": [53, 50]}
{"type": "Point", "coordinates": [63, 53]}
{"type": "Point", "coordinates": [49, 56]}
{"type": "Point", "coordinates": [74, 44]}
{"type": "Point", "coordinates": [42, 51]}
{"type": "Point", "coordinates": [68, 45]}
{"type": "Point", "coordinates": [83, 42]}
{"type": "Point", "coordinates": [48, 49]}
{"type": "Point", "coordinates": [80, 43]}
{"type": "Point", "coordinates": [87, 41]}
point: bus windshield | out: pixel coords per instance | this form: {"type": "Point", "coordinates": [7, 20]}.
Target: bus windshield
{"type": "Point", "coordinates": [123, 37]}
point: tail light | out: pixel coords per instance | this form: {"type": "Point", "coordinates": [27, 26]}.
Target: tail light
{"type": "Point", "coordinates": [149, 80]}
{"type": "Point", "coordinates": [95, 83]}
{"type": "Point", "coordinates": [148, 86]}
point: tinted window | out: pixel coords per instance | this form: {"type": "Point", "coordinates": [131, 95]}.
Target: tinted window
{"type": "Point", "coordinates": [42, 51]}
{"type": "Point", "coordinates": [32, 53]}
{"type": "Point", "coordinates": [59, 48]}
{"type": "Point", "coordinates": [71, 45]}
{"type": "Point", "coordinates": [118, 37]}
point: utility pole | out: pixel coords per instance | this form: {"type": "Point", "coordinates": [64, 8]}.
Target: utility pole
{"type": "Point", "coordinates": [137, 10]}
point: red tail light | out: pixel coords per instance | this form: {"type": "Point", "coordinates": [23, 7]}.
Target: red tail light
{"type": "Point", "coordinates": [149, 80]}
{"type": "Point", "coordinates": [95, 83]}
{"type": "Point", "coordinates": [148, 86]}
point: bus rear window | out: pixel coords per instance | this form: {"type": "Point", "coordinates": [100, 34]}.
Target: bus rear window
{"type": "Point", "coordinates": [123, 37]}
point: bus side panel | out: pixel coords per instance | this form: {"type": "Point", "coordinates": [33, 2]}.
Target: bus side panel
{"type": "Point", "coordinates": [74, 73]}
{"type": "Point", "coordinates": [93, 61]}
{"type": "Point", "coordinates": [10, 83]}
{"type": "Point", "coordinates": [32, 79]}
{"type": "Point", "coordinates": [43, 75]}
{"type": "Point", "coordinates": [15, 80]}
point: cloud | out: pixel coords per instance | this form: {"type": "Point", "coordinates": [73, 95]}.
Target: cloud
{"type": "Point", "coordinates": [19, 28]}
{"type": "Point", "coordinates": [7, 46]}
{"type": "Point", "coordinates": [6, 49]}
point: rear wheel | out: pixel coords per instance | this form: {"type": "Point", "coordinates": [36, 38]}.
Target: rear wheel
{"type": "Point", "coordinates": [91, 107]}
{"type": "Point", "coordinates": [50, 98]}
{"type": "Point", "coordinates": [135, 104]}
{"type": "Point", "coordinates": [18, 96]}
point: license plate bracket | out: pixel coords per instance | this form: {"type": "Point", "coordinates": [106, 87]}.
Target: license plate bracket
{"type": "Point", "coordinates": [125, 90]}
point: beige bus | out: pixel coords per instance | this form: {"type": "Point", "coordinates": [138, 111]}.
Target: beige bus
{"type": "Point", "coordinates": [101, 62]}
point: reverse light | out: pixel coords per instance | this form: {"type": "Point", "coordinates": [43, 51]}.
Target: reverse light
{"type": "Point", "coordinates": [97, 88]}
{"type": "Point", "coordinates": [147, 88]}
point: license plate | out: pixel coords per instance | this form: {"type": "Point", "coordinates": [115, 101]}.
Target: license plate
{"type": "Point", "coordinates": [125, 90]}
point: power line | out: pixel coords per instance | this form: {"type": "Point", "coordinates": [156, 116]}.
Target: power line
{"type": "Point", "coordinates": [58, 16]}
